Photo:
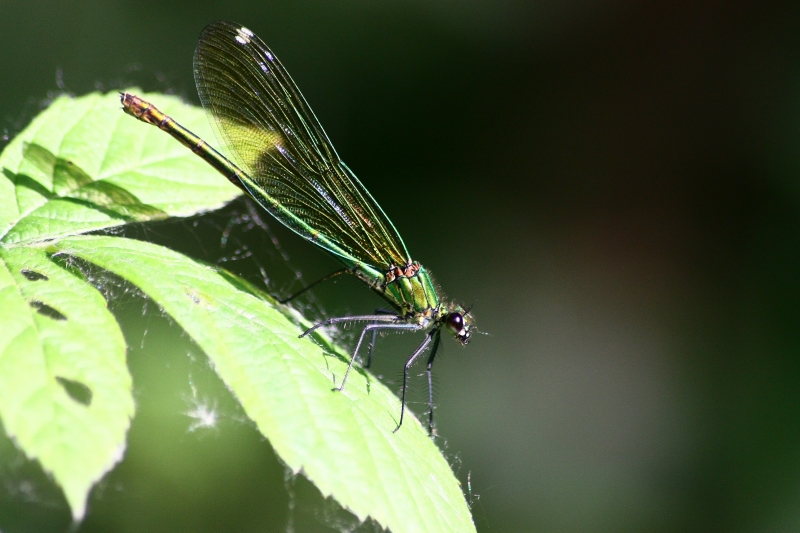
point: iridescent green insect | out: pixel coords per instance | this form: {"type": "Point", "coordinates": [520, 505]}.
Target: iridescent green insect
{"type": "Point", "coordinates": [284, 160]}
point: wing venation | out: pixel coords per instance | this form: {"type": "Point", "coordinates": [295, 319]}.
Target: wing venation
{"type": "Point", "coordinates": [268, 128]}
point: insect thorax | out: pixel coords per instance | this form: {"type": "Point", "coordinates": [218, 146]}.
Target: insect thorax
{"type": "Point", "coordinates": [410, 289]}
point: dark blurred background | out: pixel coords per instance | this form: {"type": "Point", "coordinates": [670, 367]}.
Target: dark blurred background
{"type": "Point", "coordinates": [614, 185]}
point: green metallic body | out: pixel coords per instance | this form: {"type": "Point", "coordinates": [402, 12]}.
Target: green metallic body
{"type": "Point", "coordinates": [284, 160]}
{"type": "Point", "coordinates": [414, 295]}
{"type": "Point", "coordinates": [409, 289]}
{"type": "Point", "coordinates": [286, 163]}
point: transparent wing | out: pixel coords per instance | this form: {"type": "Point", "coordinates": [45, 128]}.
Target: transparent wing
{"type": "Point", "coordinates": [272, 134]}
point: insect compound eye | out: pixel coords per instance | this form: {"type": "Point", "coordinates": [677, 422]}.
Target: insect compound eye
{"type": "Point", "coordinates": [455, 322]}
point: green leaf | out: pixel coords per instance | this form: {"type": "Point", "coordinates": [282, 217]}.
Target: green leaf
{"type": "Point", "coordinates": [343, 442]}
{"type": "Point", "coordinates": [83, 165]}
{"type": "Point", "coordinates": [65, 392]}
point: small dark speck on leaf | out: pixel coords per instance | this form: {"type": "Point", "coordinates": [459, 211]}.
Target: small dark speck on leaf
{"type": "Point", "coordinates": [46, 310]}
{"type": "Point", "coordinates": [76, 390]}
{"type": "Point", "coordinates": [32, 275]}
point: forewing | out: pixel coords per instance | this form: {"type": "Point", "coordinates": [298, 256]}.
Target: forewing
{"type": "Point", "coordinates": [270, 131]}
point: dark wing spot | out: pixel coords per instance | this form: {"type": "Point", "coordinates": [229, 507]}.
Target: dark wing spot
{"type": "Point", "coordinates": [46, 310]}
{"type": "Point", "coordinates": [76, 390]}
{"type": "Point", "coordinates": [32, 275]}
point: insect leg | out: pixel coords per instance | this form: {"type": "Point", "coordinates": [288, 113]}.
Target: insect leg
{"type": "Point", "coordinates": [409, 363]}
{"type": "Point", "coordinates": [356, 318]}
{"type": "Point", "coordinates": [374, 336]}
{"type": "Point", "coordinates": [308, 287]}
{"type": "Point", "coordinates": [430, 380]}
{"type": "Point", "coordinates": [372, 327]}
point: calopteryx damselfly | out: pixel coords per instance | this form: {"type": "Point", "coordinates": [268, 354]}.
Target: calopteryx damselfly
{"type": "Point", "coordinates": [283, 159]}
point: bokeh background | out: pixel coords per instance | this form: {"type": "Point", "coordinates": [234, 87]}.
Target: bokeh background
{"type": "Point", "coordinates": [614, 185]}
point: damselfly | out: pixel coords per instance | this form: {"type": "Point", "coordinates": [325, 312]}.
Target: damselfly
{"type": "Point", "coordinates": [283, 159]}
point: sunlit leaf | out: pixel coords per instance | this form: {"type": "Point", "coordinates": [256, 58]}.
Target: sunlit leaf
{"type": "Point", "coordinates": [83, 165]}
{"type": "Point", "coordinates": [65, 391]}
{"type": "Point", "coordinates": [342, 441]}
